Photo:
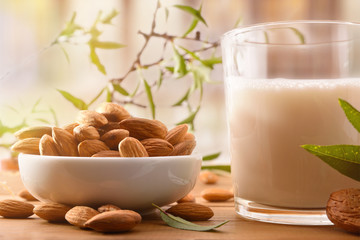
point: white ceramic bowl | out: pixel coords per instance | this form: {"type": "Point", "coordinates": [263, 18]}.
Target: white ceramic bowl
{"type": "Point", "coordinates": [130, 183]}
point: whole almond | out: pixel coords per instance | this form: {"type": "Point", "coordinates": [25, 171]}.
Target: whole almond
{"type": "Point", "coordinates": [26, 195]}
{"type": "Point", "coordinates": [15, 209]}
{"type": "Point", "coordinates": [208, 177]}
{"type": "Point", "coordinates": [70, 127]}
{"type": "Point", "coordinates": [33, 132]}
{"type": "Point", "coordinates": [189, 137]}
{"type": "Point", "coordinates": [52, 212]}
{"type": "Point", "coordinates": [27, 145]}
{"type": "Point", "coordinates": [131, 147]}
{"type": "Point", "coordinates": [85, 132]}
{"type": "Point", "coordinates": [107, 153]}
{"type": "Point", "coordinates": [114, 221]}
{"type": "Point", "coordinates": [108, 208]}
{"type": "Point", "coordinates": [141, 128]}
{"type": "Point", "coordinates": [113, 112]}
{"type": "Point", "coordinates": [157, 147]}
{"type": "Point", "coordinates": [91, 118]}
{"type": "Point", "coordinates": [108, 127]}
{"type": "Point", "coordinates": [177, 134]}
{"type": "Point", "coordinates": [216, 194]}
{"type": "Point", "coordinates": [187, 198]}
{"type": "Point", "coordinates": [65, 142]}
{"type": "Point", "coordinates": [343, 209]}
{"type": "Point", "coordinates": [191, 211]}
{"type": "Point", "coordinates": [47, 146]}
{"type": "Point", "coordinates": [78, 215]}
{"type": "Point", "coordinates": [113, 138]}
{"type": "Point", "coordinates": [183, 148]}
{"type": "Point", "coordinates": [87, 148]}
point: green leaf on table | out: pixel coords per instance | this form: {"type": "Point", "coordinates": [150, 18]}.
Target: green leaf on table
{"type": "Point", "coordinates": [106, 45]}
{"type": "Point", "coordinates": [211, 156]}
{"type": "Point", "coordinates": [195, 13]}
{"type": "Point", "coordinates": [226, 168]}
{"type": "Point", "coordinates": [77, 102]}
{"type": "Point", "coordinates": [180, 68]}
{"type": "Point", "coordinates": [177, 222]}
{"type": "Point", "coordinates": [150, 97]}
{"type": "Point", "coordinates": [96, 61]}
{"type": "Point", "coordinates": [109, 17]}
{"type": "Point", "coordinates": [183, 99]}
{"type": "Point", "coordinates": [96, 97]}
{"type": "Point", "coordinates": [120, 89]}
{"type": "Point", "coordinates": [344, 158]}
{"type": "Point", "coordinates": [351, 113]}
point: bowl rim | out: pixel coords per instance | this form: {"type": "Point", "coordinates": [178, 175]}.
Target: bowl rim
{"type": "Point", "coordinates": [72, 158]}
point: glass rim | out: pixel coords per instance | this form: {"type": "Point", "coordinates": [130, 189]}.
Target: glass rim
{"type": "Point", "coordinates": [230, 35]}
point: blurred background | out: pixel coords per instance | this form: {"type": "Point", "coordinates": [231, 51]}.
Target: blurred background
{"type": "Point", "coordinates": [30, 71]}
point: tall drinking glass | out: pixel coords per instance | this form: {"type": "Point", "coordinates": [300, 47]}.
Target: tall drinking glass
{"type": "Point", "coordinates": [283, 81]}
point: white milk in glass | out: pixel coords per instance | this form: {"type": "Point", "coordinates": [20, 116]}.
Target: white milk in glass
{"type": "Point", "coordinates": [269, 120]}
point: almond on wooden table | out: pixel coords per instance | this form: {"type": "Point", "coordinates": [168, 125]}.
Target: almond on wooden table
{"type": "Point", "coordinates": [157, 147]}
{"type": "Point", "coordinates": [177, 134]}
{"type": "Point", "coordinates": [91, 118]}
{"type": "Point", "coordinates": [85, 132]}
{"type": "Point", "coordinates": [65, 142]}
{"type": "Point", "coordinates": [27, 145]}
{"type": "Point", "coordinates": [52, 212]}
{"type": "Point", "coordinates": [113, 138]}
{"type": "Point", "coordinates": [78, 215]}
{"type": "Point", "coordinates": [208, 177]}
{"type": "Point", "coordinates": [33, 132]}
{"type": "Point", "coordinates": [113, 112]}
{"type": "Point", "coordinates": [131, 147]}
{"type": "Point", "coordinates": [87, 148]}
{"type": "Point", "coordinates": [47, 146]}
{"type": "Point", "coordinates": [191, 211]}
{"type": "Point", "coordinates": [26, 195]}
{"type": "Point", "coordinates": [10, 208]}
{"type": "Point", "coordinates": [188, 198]}
{"type": "Point", "coordinates": [216, 194]}
{"type": "Point", "coordinates": [107, 153]}
{"type": "Point", "coordinates": [141, 128]}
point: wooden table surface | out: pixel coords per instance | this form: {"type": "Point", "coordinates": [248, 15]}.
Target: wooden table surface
{"type": "Point", "coordinates": [152, 227]}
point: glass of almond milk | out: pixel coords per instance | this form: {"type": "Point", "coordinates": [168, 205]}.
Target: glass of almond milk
{"type": "Point", "coordinates": [282, 82]}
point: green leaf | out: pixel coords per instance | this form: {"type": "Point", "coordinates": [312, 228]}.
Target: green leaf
{"type": "Point", "coordinates": [210, 62]}
{"type": "Point", "coordinates": [95, 60]}
{"type": "Point", "coordinates": [226, 168]}
{"type": "Point", "coordinates": [96, 97]}
{"type": "Point", "coordinates": [106, 45]}
{"type": "Point", "coordinates": [177, 222]}
{"type": "Point", "coordinates": [180, 69]}
{"type": "Point", "coordinates": [120, 89]}
{"type": "Point", "coordinates": [33, 110]}
{"type": "Point", "coordinates": [135, 90]}
{"type": "Point", "coordinates": [77, 102]}
{"type": "Point", "coordinates": [108, 95]}
{"type": "Point", "coordinates": [108, 18]}
{"type": "Point", "coordinates": [195, 13]}
{"type": "Point", "coordinates": [161, 78]}
{"type": "Point", "coordinates": [238, 22]}
{"type": "Point", "coordinates": [70, 28]}
{"type": "Point", "coordinates": [150, 97]}
{"type": "Point", "coordinates": [344, 158]}
{"type": "Point", "coordinates": [43, 120]}
{"type": "Point", "coordinates": [351, 113]}
{"type": "Point", "coordinates": [65, 53]}
{"type": "Point", "coordinates": [53, 113]}
{"type": "Point", "coordinates": [166, 14]}
{"type": "Point", "coordinates": [299, 34]}
{"type": "Point", "coordinates": [211, 156]}
{"type": "Point", "coordinates": [170, 69]}
{"type": "Point", "coordinates": [190, 119]}
{"type": "Point", "coordinates": [266, 36]}
{"type": "Point", "coordinates": [192, 26]}
{"type": "Point", "coordinates": [183, 99]}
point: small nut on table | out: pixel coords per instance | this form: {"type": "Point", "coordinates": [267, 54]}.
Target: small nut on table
{"type": "Point", "coordinates": [208, 177]}
{"type": "Point", "coordinates": [343, 209]}
{"type": "Point", "coordinates": [216, 194]}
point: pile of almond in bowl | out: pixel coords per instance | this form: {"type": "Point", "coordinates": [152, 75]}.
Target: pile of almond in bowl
{"type": "Point", "coordinates": [110, 131]}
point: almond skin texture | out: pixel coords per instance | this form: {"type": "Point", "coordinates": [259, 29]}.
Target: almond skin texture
{"type": "Point", "coordinates": [33, 132]}
{"type": "Point", "coordinates": [70, 127]}
{"type": "Point", "coordinates": [216, 194]}
{"type": "Point", "coordinates": [78, 215]}
{"type": "Point", "coordinates": [189, 137]}
{"type": "Point", "coordinates": [177, 134]}
{"type": "Point", "coordinates": [85, 132]}
{"type": "Point", "coordinates": [47, 146]}
{"type": "Point", "coordinates": [113, 112]}
{"type": "Point", "coordinates": [184, 148]}
{"type": "Point", "coordinates": [114, 221]}
{"type": "Point", "coordinates": [157, 147]}
{"type": "Point", "coordinates": [141, 128]}
{"type": "Point", "coordinates": [91, 118]}
{"type": "Point", "coordinates": [343, 209]}
{"type": "Point", "coordinates": [108, 127]}
{"type": "Point", "coordinates": [27, 145]}
{"type": "Point", "coordinates": [107, 153]}
{"type": "Point", "coordinates": [187, 198]}
{"type": "Point", "coordinates": [88, 148]}
{"type": "Point", "coordinates": [208, 177]}
{"type": "Point", "coordinates": [15, 209]}
{"type": "Point", "coordinates": [131, 147]}
{"type": "Point", "coordinates": [52, 212]}
{"type": "Point", "coordinates": [65, 142]}
{"type": "Point", "coordinates": [191, 211]}
{"type": "Point", "coordinates": [114, 137]}
{"type": "Point", "coordinates": [26, 195]}
{"type": "Point", "coordinates": [108, 208]}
